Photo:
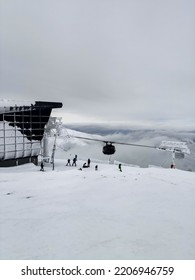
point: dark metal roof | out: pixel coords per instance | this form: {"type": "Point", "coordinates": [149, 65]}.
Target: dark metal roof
{"type": "Point", "coordinates": [48, 104]}
{"type": "Point", "coordinates": [37, 105]}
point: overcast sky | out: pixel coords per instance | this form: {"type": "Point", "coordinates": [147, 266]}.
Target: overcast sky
{"type": "Point", "coordinates": [106, 60]}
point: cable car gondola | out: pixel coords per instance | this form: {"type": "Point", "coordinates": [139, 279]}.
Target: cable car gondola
{"type": "Point", "coordinates": [109, 149]}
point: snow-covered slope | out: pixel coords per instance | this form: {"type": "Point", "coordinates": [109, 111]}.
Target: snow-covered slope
{"type": "Point", "coordinates": [106, 214]}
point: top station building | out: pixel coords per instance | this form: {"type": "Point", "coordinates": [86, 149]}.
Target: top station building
{"type": "Point", "coordinates": [21, 131]}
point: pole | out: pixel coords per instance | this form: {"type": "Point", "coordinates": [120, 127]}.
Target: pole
{"type": "Point", "coordinates": [53, 152]}
{"type": "Point", "coordinates": [173, 158]}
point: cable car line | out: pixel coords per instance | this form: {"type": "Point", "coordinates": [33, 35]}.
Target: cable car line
{"type": "Point", "coordinates": [109, 148]}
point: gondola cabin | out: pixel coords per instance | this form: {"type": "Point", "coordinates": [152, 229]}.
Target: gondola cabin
{"type": "Point", "coordinates": [108, 149]}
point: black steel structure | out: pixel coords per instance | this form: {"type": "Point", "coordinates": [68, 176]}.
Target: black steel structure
{"type": "Point", "coordinates": [21, 131]}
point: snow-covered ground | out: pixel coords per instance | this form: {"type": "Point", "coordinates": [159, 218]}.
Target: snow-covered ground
{"type": "Point", "coordinates": [139, 213]}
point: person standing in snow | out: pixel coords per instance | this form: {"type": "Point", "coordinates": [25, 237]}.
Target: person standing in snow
{"type": "Point", "coordinates": [119, 167]}
{"type": "Point", "coordinates": [68, 163]}
{"type": "Point", "coordinates": [42, 166]}
{"type": "Point", "coordinates": [74, 162]}
{"type": "Point", "coordinates": [88, 162]}
{"type": "Point", "coordinates": [96, 167]}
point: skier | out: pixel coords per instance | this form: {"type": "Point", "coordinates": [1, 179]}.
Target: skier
{"type": "Point", "coordinates": [88, 162]}
{"type": "Point", "coordinates": [96, 167]}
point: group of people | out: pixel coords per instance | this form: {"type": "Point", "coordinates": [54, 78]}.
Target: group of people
{"type": "Point", "coordinates": [74, 161]}
{"type": "Point", "coordinates": [85, 165]}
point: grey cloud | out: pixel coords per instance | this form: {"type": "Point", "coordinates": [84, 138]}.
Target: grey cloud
{"type": "Point", "coordinates": [112, 60]}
